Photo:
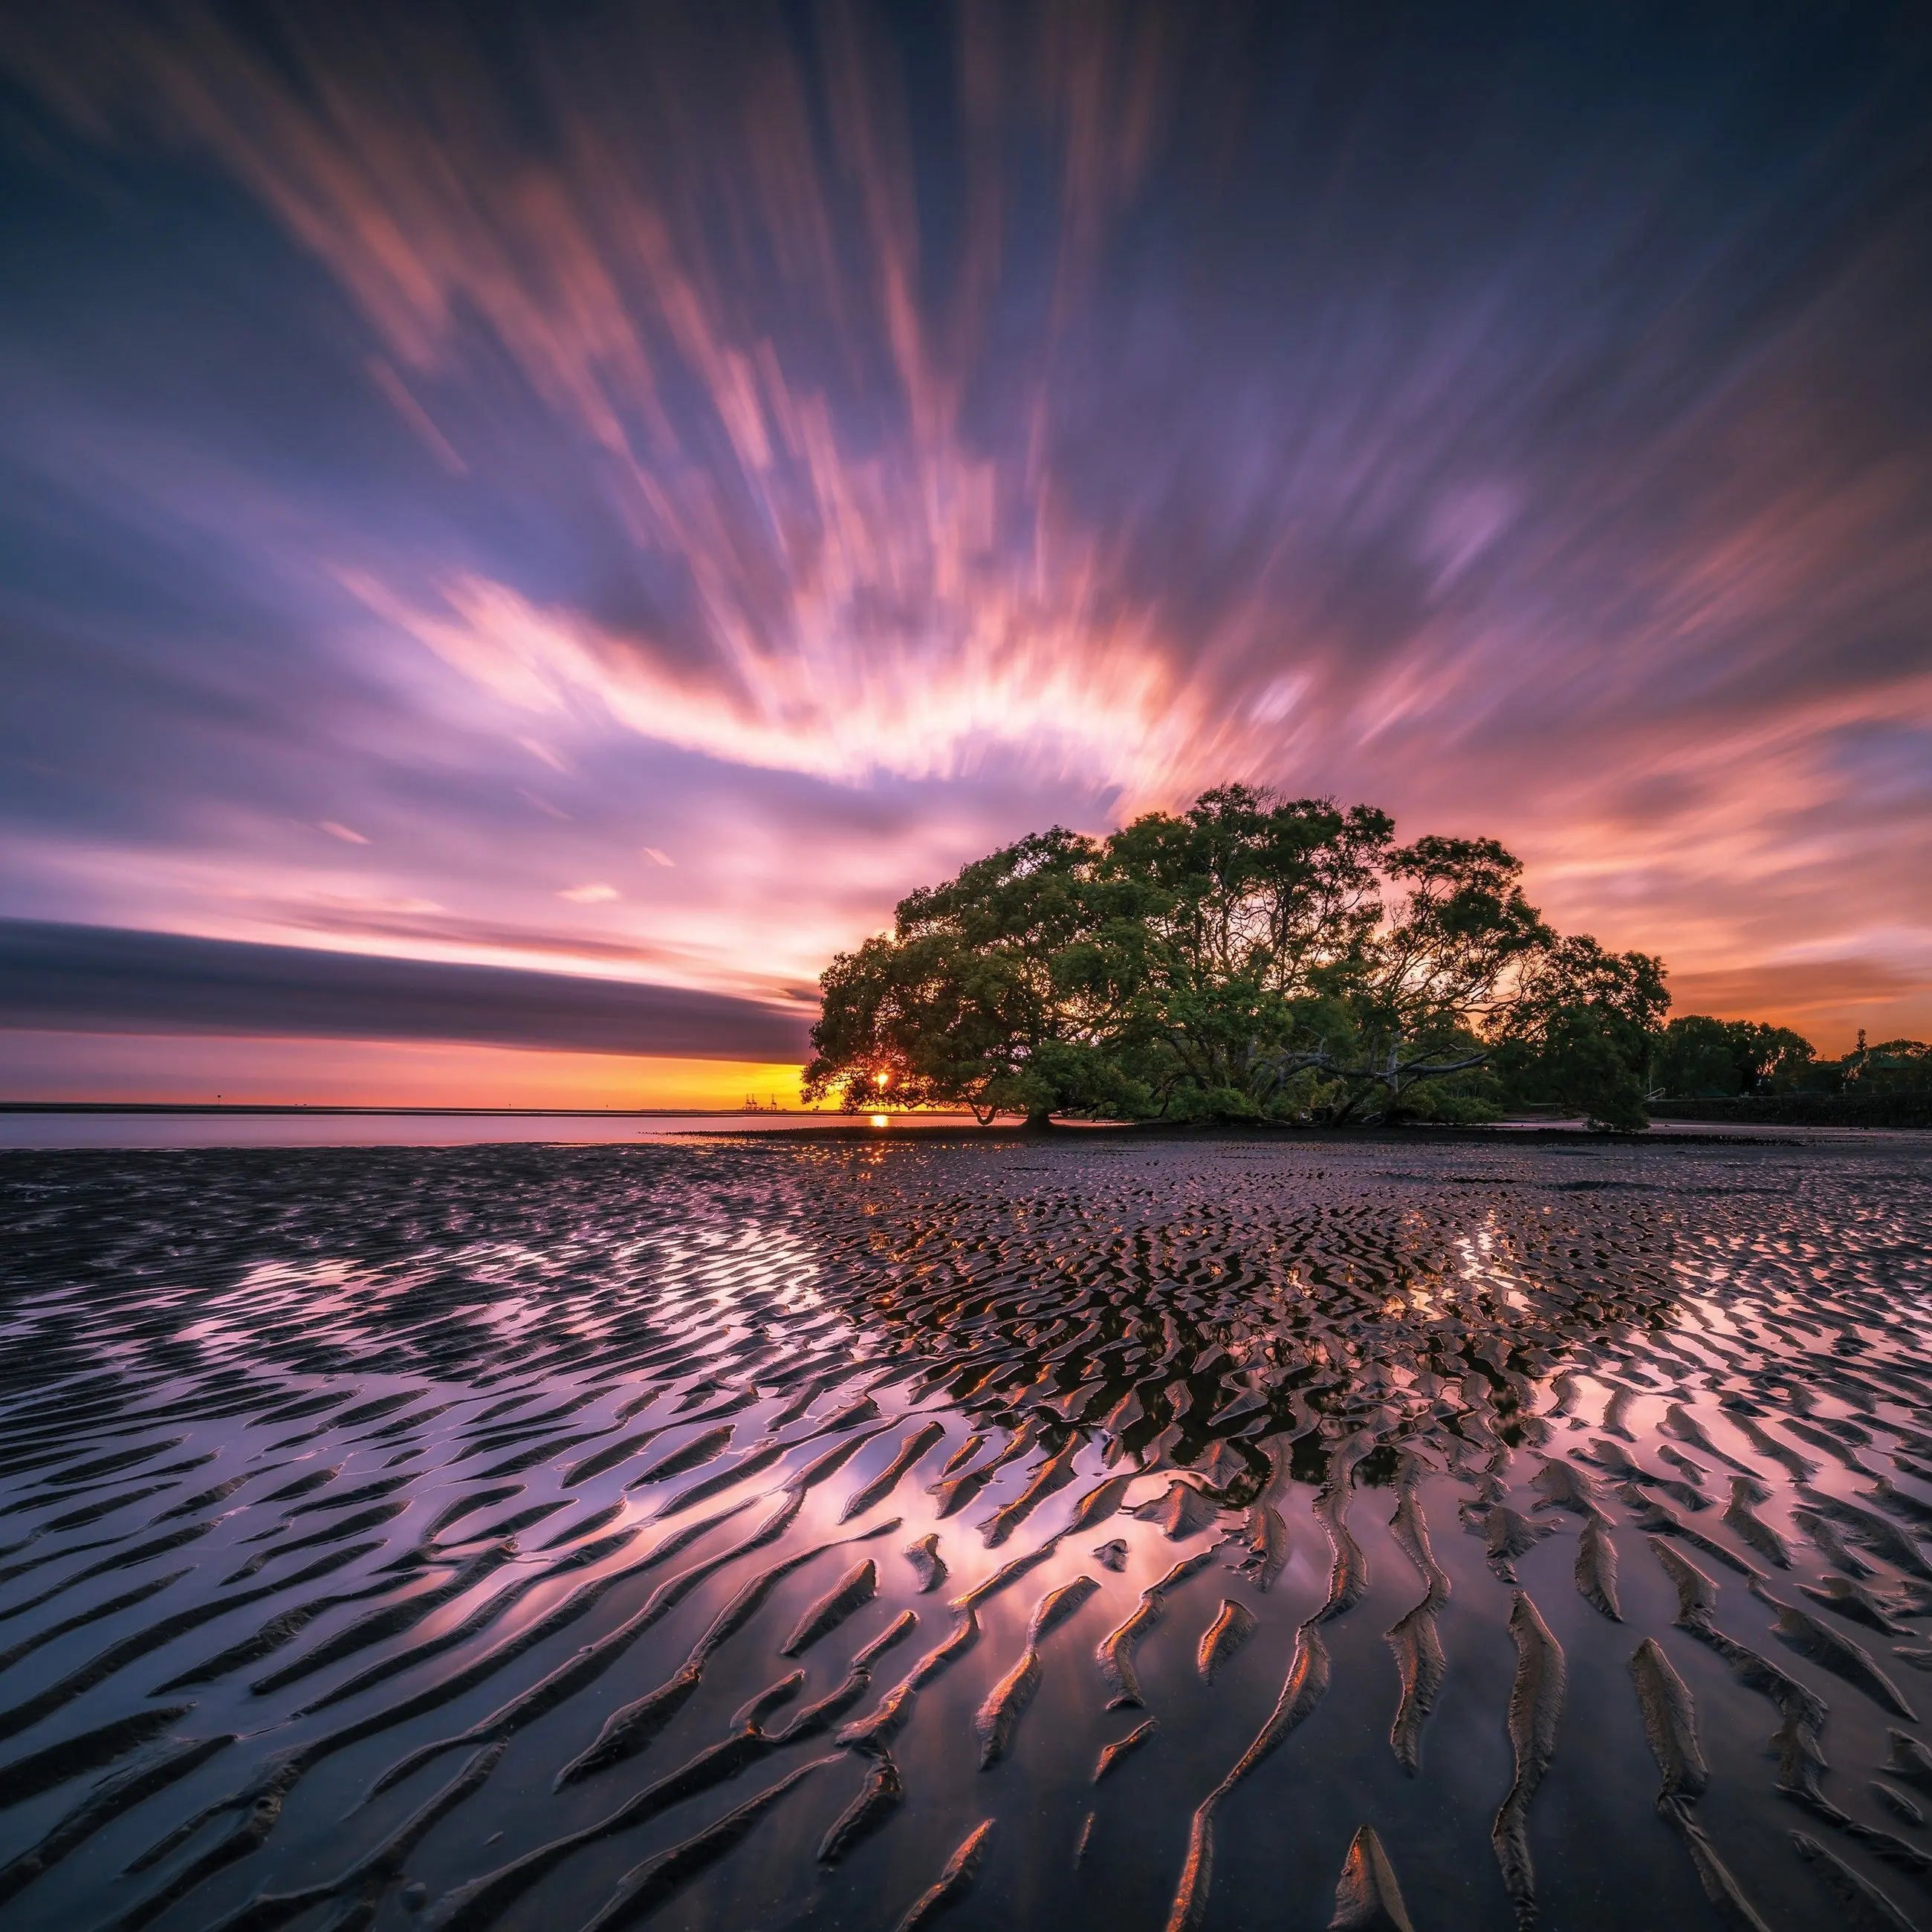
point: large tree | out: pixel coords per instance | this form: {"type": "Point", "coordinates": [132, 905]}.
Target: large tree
{"type": "Point", "coordinates": [1251, 957]}
{"type": "Point", "coordinates": [1007, 990]}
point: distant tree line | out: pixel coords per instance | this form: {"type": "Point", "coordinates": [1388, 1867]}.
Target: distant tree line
{"type": "Point", "coordinates": [1700, 1058]}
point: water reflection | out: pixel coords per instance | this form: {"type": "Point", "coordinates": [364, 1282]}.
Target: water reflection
{"type": "Point", "coordinates": [734, 1534]}
{"type": "Point", "coordinates": [56, 1127]}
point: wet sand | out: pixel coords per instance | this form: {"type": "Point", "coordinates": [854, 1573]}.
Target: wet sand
{"type": "Point", "coordinates": [1216, 1534]}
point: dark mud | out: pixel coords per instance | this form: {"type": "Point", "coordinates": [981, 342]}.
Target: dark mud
{"type": "Point", "coordinates": [1001, 1535]}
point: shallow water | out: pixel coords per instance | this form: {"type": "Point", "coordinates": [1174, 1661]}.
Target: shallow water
{"type": "Point", "coordinates": [61, 1127]}
{"type": "Point", "coordinates": [519, 1537]}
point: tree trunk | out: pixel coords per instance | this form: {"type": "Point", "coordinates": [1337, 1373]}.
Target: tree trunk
{"type": "Point", "coordinates": [1039, 1117]}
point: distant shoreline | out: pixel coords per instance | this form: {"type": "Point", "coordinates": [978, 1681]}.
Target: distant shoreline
{"type": "Point", "coordinates": [831, 1119]}
{"type": "Point", "coordinates": [98, 1127]}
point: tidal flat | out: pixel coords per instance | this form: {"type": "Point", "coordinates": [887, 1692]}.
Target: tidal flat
{"type": "Point", "coordinates": [747, 1534]}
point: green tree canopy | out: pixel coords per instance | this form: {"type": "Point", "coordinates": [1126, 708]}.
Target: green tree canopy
{"type": "Point", "coordinates": [1700, 1058]}
{"type": "Point", "coordinates": [1009, 989]}
{"type": "Point", "coordinates": [1251, 957]}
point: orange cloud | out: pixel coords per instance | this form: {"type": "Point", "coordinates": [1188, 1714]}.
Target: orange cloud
{"type": "Point", "coordinates": [1826, 1000]}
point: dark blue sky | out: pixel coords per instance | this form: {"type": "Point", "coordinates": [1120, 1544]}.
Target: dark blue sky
{"type": "Point", "coordinates": [632, 491]}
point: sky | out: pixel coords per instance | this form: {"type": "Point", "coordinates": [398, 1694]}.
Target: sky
{"type": "Point", "coordinates": [524, 529]}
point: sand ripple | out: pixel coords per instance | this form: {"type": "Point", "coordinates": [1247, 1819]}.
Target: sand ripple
{"type": "Point", "coordinates": [792, 1534]}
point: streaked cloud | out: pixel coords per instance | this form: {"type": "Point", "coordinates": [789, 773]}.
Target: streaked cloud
{"type": "Point", "coordinates": [80, 978]}
{"type": "Point", "coordinates": [823, 445]}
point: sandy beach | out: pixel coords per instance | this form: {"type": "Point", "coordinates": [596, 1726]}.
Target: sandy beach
{"type": "Point", "coordinates": [766, 1533]}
